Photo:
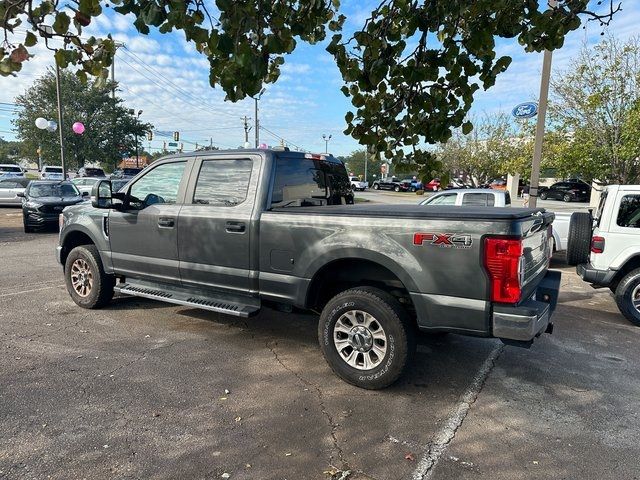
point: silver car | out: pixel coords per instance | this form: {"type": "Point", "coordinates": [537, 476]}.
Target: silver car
{"type": "Point", "coordinates": [9, 190]}
{"type": "Point", "coordinates": [85, 184]}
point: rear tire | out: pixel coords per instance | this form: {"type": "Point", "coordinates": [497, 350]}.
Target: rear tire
{"type": "Point", "coordinates": [86, 280]}
{"type": "Point", "coordinates": [366, 337]}
{"type": "Point", "coordinates": [579, 240]}
{"type": "Point", "coordinates": [627, 293]}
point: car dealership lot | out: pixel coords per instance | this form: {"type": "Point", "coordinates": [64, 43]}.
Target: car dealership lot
{"type": "Point", "coordinates": [139, 390]}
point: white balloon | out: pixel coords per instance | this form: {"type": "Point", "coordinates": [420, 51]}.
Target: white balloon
{"type": "Point", "coordinates": [52, 126]}
{"type": "Point", "coordinates": [42, 123]}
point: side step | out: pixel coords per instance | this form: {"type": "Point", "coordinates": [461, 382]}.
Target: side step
{"type": "Point", "coordinates": [221, 304]}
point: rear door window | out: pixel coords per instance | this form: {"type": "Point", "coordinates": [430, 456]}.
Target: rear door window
{"type": "Point", "coordinates": [629, 212]}
{"type": "Point", "coordinates": [223, 183]}
{"type": "Point", "coordinates": [478, 199]}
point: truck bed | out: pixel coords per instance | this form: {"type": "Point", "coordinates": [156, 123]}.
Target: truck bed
{"type": "Point", "coordinates": [415, 211]}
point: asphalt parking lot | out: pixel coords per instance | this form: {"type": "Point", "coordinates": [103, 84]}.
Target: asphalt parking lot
{"type": "Point", "coordinates": [143, 389]}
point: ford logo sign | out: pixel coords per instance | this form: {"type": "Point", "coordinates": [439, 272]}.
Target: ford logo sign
{"type": "Point", "coordinates": [525, 110]}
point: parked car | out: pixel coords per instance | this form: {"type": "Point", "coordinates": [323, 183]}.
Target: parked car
{"type": "Point", "coordinates": [84, 184]}
{"type": "Point", "coordinates": [498, 184]}
{"type": "Point", "coordinates": [51, 173]}
{"type": "Point", "coordinates": [606, 247]}
{"type": "Point", "coordinates": [391, 183]}
{"type": "Point", "coordinates": [470, 197]}
{"type": "Point", "coordinates": [125, 172]}
{"type": "Point", "coordinates": [10, 190]}
{"type": "Point", "coordinates": [44, 200]}
{"type": "Point", "coordinates": [8, 170]}
{"type": "Point", "coordinates": [229, 231]}
{"type": "Point", "coordinates": [568, 191]}
{"type": "Point", "coordinates": [412, 184]}
{"type": "Point", "coordinates": [433, 185]}
{"type": "Point", "coordinates": [358, 184]}
{"type": "Point", "coordinates": [481, 197]}
{"type": "Point", "coordinates": [94, 172]}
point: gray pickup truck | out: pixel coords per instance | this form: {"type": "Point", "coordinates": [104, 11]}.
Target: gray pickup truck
{"type": "Point", "coordinates": [231, 231]}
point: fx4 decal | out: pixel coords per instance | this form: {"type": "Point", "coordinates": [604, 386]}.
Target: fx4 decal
{"type": "Point", "coordinates": [443, 240]}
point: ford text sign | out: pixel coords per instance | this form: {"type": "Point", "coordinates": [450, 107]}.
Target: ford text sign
{"type": "Point", "coordinates": [525, 110]}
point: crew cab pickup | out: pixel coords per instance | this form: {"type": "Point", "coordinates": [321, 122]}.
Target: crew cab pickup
{"type": "Point", "coordinates": [233, 231]}
{"type": "Point", "coordinates": [606, 247]}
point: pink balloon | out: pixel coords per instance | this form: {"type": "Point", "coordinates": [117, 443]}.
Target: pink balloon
{"type": "Point", "coordinates": [78, 128]}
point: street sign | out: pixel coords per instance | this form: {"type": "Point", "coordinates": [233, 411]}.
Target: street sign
{"type": "Point", "coordinates": [173, 144]}
{"type": "Point", "coordinates": [525, 110]}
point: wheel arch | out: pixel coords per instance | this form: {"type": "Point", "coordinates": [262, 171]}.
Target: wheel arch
{"type": "Point", "coordinates": [73, 239]}
{"type": "Point", "coordinates": [630, 265]}
{"type": "Point", "coordinates": [346, 272]}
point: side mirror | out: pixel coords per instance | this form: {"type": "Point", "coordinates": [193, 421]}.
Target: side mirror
{"type": "Point", "coordinates": [101, 194]}
{"type": "Point", "coordinates": [20, 194]}
{"type": "Point", "coordinates": [85, 194]}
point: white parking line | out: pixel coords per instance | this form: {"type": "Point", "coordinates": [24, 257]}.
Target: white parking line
{"type": "Point", "coordinates": [443, 437]}
{"type": "Point", "coordinates": [13, 214]}
{"type": "Point", "coordinates": [29, 291]}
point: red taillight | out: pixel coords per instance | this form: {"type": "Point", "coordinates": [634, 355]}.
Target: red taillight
{"type": "Point", "coordinates": [502, 261]}
{"type": "Point", "coordinates": [597, 244]}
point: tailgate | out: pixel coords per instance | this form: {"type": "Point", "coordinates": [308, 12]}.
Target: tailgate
{"type": "Point", "coordinates": [537, 248]}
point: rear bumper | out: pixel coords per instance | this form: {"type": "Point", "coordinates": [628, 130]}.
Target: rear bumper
{"type": "Point", "coordinates": [530, 318]}
{"type": "Point", "coordinates": [594, 276]}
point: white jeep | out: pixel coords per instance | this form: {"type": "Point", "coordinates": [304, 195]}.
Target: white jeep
{"type": "Point", "coordinates": [606, 247]}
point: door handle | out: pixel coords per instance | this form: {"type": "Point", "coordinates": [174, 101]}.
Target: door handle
{"type": "Point", "coordinates": [235, 227]}
{"type": "Point", "coordinates": [166, 222]}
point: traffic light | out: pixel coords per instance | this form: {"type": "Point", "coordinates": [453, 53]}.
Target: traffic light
{"type": "Point", "coordinates": [176, 136]}
{"type": "Point", "coordinates": [149, 135]}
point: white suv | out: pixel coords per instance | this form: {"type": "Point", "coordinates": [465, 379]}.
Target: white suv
{"type": "Point", "coordinates": [606, 248]}
{"type": "Point", "coordinates": [51, 173]}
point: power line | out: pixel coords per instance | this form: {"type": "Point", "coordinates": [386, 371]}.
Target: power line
{"type": "Point", "coordinates": [281, 138]}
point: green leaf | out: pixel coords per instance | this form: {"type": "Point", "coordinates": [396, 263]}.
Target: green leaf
{"type": "Point", "coordinates": [467, 127]}
{"type": "Point", "coordinates": [30, 40]}
{"type": "Point", "coordinates": [61, 23]}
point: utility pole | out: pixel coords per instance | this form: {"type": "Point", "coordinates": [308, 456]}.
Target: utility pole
{"type": "Point", "coordinates": [257, 124]}
{"type": "Point", "coordinates": [542, 114]}
{"type": "Point", "coordinates": [60, 126]}
{"type": "Point", "coordinates": [247, 128]}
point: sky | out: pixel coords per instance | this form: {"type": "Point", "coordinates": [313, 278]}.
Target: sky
{"type": "Point", "coordinates": [166, 78]}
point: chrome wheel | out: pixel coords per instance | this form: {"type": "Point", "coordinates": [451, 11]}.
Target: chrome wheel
{"type": "Point", "coordinates": [360, 339]}
{"type": "Point", "coordinates": [635, 298]}
{"type": "Point", "coordinates": [81, 277]}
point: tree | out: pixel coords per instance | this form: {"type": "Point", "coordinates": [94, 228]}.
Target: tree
{"type": "Point", "coordinates": [9, 151]}
{"type": "Point", "coordinates": [356, 160]}
{"type": "Point", "coordinates": [596, 101]}
{"type": "Point", "coordinates": [411, 70]}
{"type": "Point", "coordinates": [494, 148]}
{"type": "Point", "coordinates": [110, 130]}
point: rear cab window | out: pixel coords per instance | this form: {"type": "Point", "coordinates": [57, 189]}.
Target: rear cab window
{"type": "Point", "coordinates": [10, 169]}
{"type": "Point", "coordinates": [223, 183]}
{"type": "Point", "coordinates": [478, 199]}
{"type": "Point", "coordinates": [306, 182]}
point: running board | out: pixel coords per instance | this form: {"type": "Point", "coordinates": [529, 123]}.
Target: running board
{"type": "Point", "coordinates": [188, 299]}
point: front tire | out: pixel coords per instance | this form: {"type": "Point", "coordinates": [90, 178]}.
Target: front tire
{"type": "Point", "coordinates": [376, 186]}
{"type": "Point", "coordinates": [544, 195]}
{"type": "Point", "coordinates": [86, 280]}
{"type": "Point", "coordinates": [567, 198]}
{"type": "Point", "coordinates": [627, 296]}
{"type": "Point", "coordinates": [396, 188]}
{"type": "Point", "coordinates": [366, 337]}
{"type": "Point", "coordinates": [25, 224]}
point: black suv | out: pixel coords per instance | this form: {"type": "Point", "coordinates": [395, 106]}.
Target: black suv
{"type": "Point", "coordinates": [569, 191]}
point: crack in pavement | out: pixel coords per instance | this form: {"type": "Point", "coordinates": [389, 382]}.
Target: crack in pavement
{"type": "Point", "coordinates": [332, 424]}
{"type": "Point", "coordinates": [443, 438]}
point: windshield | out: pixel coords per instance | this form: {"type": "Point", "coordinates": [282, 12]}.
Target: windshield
{"type": "Point", "coordinates": [53, 190]}
{"type": "Point", "coordinates": [9, 168]}
{"type": "Point", "coordinates": [131, 171]}
{"type": "Point", "coordinates": [53, 169]}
